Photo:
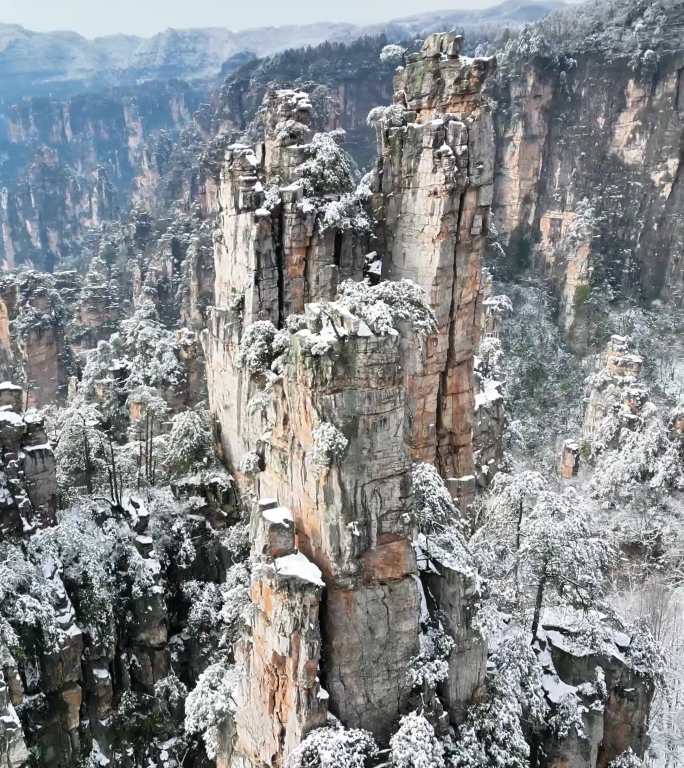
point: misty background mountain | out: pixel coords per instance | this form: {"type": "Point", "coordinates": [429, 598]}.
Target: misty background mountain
{"type": "Point", "coordinates": [63, 62]}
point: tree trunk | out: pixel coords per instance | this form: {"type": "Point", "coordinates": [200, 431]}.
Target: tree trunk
{"type": "Point", "coordinates": [538, 605]}
{"type": "Point", "coordinates": [88, 465]}
{"type": "Point", "coordinates": [518, 536]}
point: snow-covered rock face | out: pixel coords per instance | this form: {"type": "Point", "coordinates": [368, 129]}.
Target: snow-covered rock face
{"type": "Point", "coordinates": [602, 701]}
{"type": "Point", "coordinates": [433, 191]}
{"type": "Point", "coordinates": [548, 179]}
{"type": "Point", "coordinates": [28, 487]}
{"type": "Point", "coordinates": [360, 380]}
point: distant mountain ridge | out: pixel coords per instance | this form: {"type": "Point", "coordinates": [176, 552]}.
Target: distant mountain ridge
{"type": "Point", "coordinates": [34, 63]}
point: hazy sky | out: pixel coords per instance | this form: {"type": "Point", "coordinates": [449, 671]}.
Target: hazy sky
{"type": "Point", "coordinates": [145, 17]}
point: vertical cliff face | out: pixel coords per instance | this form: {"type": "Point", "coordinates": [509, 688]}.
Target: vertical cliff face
{"type": "Point", "coordinates": [29, 488]}
{"type": "Point", "coordinates": [72, 165]}
{"type": "Point", "coordinates": [326, 415]}
{"type": "Point", "coordinates": [596, 212]}
{"type": "Point", "coordinates": [433, 192]}
{"type": "Point", "coordinates": [34, 345]}
{"type": "Point", "coordinates": [615, 713]}
{"type": "Point", "coordinates": [615, 388]}
{"type": "Point", "coordinates": [272, 253]}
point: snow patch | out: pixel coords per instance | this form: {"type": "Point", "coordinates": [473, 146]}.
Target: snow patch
{"type": "Point", "coordinates": [301, 567]}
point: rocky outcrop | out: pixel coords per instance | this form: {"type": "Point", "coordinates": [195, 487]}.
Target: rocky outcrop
{"type": "Point", "coordinates": [279, 697]}
{"type": "Point", "coordinates": [13, 752]}
{"type": "Point", "coordinates": [28, 488]}
{"type": "Point", "coordinates": [66, 685]}
{"type": "Point", "coordinates": [433, 190]}
{"type": "Point", "coordinates": [453, 594]}
{"type": "Point", "coordinates": [566, 206]}
{"type": "Point", "coordinates": [570, 460]}
{"type": "Point", "coordinates": [34, 344]}
{"type": "Point", "coordinates": [613, 391]}
{"type": "Point", "coordinates": [326, 415]}
{"type": "Point", "coordinates": [612, 696]}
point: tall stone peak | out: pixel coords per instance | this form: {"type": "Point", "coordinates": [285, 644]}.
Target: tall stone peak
{"type": "Point", "coordinates": [327, 388]}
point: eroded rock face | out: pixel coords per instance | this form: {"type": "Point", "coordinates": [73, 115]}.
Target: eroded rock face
{"type": "Point", "coordinates": [454, 592]}
{"type": "Point", "coordinates": [433, 190]}
{"type": "Point", "coordinates": [614, 389]}
{"type": "Point", "coordinates": [34, 343]}
{"type": "Point", "coordinates": [13, 751]}
{"type": "Point", "coordinates": [330, 430]}
{"type": "Point", "coordinates": [74, 163]}
{"type": "Point", "coordinates": [279, 697]}
{"type": "Point", "coordinates": [351, 518]}
{"type": "Point", "coordinates": [589, 213]}
{"type": "Point", "coordinates": [28, 487]}
{"type": "Point", "coordinates": [615, 712]}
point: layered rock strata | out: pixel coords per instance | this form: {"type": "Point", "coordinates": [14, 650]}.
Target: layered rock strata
{"type": "Point", "coordinates": [586, 213]}
{"type": "Point", "coordinates": [327, 415]}
{"type": "Point", "coordinates": [433, 190]}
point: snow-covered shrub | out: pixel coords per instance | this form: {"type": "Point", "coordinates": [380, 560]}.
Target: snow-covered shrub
{"type": "Point", "coordinates": [560, 550]}
{"type": "Point", "coordinates": [170, 693]}
{"type": "Point", "coordinates": [81, 453]}
{"type": "Point", "coordinates": [627, 760]}
{"type": "Point", "coordinates": [433, 506]}
{"type": "Point", "coordinates": [329, 170]}
{"type": "Point", "coordinates": [142, 574]}
{"type": "Point", "coordinates": [209, 704]}
{"type": "Point", "coordinates": [28, 603]}
{"type": "Point", "coordinates": [567, 717]}
{"type": "Point", "coordinates": [204, 617]}
{"type": "Point", "coordinates": [256, 346]}
{"type": "Point", "coordinates": [151, 349]}
{"type": "Point", "coordinates": [491, 735]}
{"type": "Point", "coordinates": [295, 322]}
{"type": "Point", "coordinates": [216, 610]}
{"type": "Point", "coordinates": [190, 443]}
{"type": "Point", "coordinates": [490, 354]}
{"type": "Point", "coordinates": [644, 653]}
{"type": "Point", "coordinates": [272, 197]}
{"type": "Point", "coordinates": [431, 666]}
{"type": "Point", "coordinates": [510, 499]}
{"type": "Point", "coordinates": [494, 733]}
{"type": "Point", "coordinates": [85, 551]}
{"type": "Point", "coordinates": [329, 444]}
{"type": "Point", "coordinates": [346, 213]}
{"type": "Point", "coordinates": [235, 592]}
{"type": "Point", "coordinates": [519, 675]}
{"type": "Point", "coordinates": [184, 552]}
{"type": "Point", "coordinates": [251, 464]}
{"type": "Point", "coordinates": [236, 541]}
{"type": "Point", "coordinates": [331, 747]}
{"type": "Point", "coordinates": [415, 745]}
{"type": "Point", "coordinates": [530, 43]}
{"type": "Point", "coordinates": [392, 54]}
{"type": "Point", "coordinates": [643, 459]}
{"type": "Point", "coordinates": [385, 305]}
{"type": "Point", "coordinates": [393, 116]}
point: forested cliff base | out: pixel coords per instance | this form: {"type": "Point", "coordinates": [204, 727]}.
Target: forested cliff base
{"type": "Point", "coordinates": [309, 466]}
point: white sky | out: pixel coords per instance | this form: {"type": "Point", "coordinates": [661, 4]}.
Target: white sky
{"type": "Point", "coordinates": [145, 17]}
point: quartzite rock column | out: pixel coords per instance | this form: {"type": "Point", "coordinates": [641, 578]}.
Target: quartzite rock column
{"type": "Point", "coordinates": [433, 191]}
